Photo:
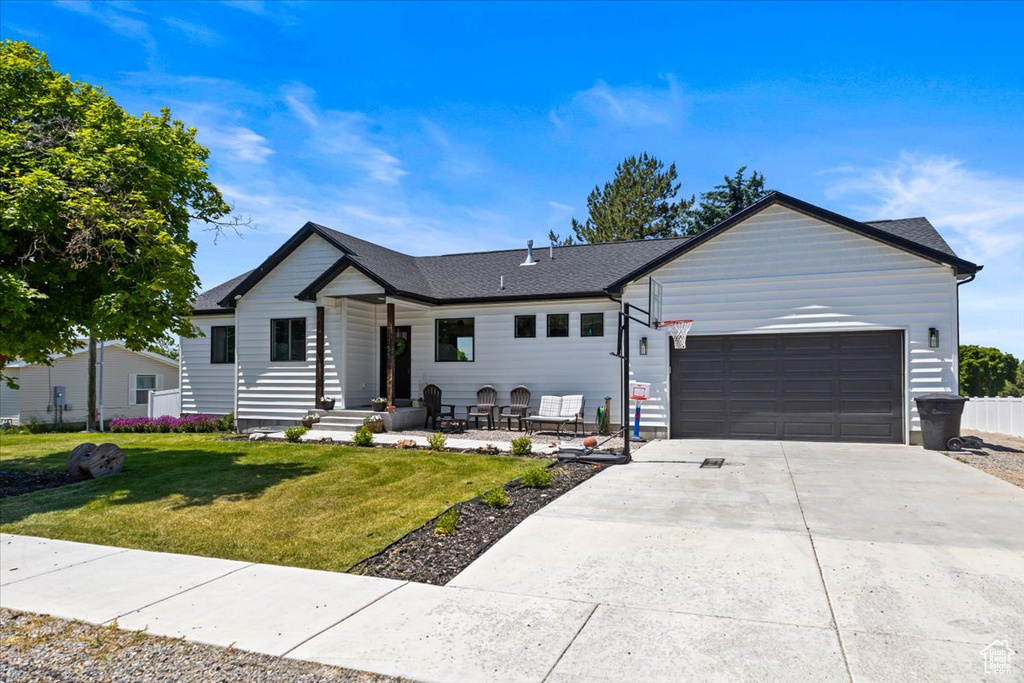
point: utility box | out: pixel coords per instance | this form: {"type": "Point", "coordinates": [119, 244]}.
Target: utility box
{"type": "Point", "coordinates": [940, 419]}
{"type": "Point", "coordinates": [59, 396]}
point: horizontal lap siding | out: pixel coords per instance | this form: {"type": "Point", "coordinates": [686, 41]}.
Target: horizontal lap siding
{"type": "Point", "coordinates": [361, 352]}
{"type": "Point", "coordinates": [206, 387]}
{"type": "Point", "coordinates": [781, 271]}
{"type": "Point", "coordinates": [282, 390]}
{"type": "Point", "coordinates": [9, 400]}
{"type": "Point", "coordinates": [564, 365]}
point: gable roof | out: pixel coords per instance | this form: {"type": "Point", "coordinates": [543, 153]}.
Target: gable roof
{"type": "Point", "coordinates": [105, 344]}
{"type": "Point", "coordinates": [577, 271]}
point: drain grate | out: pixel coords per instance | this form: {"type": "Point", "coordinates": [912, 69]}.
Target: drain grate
{"type": "Point", "coordinates": [713, 462]}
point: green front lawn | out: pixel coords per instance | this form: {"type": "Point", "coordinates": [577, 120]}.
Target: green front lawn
{"type": "Point", "coordinates": [322, 507]}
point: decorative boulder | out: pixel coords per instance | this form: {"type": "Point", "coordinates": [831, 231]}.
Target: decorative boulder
{"type": "Point", "coordinates": [257, 436]}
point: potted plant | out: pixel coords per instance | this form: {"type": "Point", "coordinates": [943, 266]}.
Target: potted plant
{"type": "Point", "coordinates": [327, 403]}
{"type": "Point", "coordinates": [374, 423]}
{"type": "Point", "coordinates": [380, 404]}
{"type": "Point", "coordinates": [310, 419]}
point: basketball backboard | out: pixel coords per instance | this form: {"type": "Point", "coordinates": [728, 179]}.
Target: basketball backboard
{"type": "Point", "coordinates": [654, 302]}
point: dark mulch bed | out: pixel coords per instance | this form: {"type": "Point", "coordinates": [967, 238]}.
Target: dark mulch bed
{"type": "Point", "coordinates": [17, 483]}
{"type": "Point", "coordinates": [425, 557]}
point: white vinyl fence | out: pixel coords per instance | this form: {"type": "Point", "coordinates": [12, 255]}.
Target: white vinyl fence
{"type": "Point", "coordinates": [995, 415]}
{"type": "Point", "coordinates": [166, 402]}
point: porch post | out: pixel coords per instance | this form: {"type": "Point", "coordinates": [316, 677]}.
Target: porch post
{"type": "Point", "coordinates": [391, 354]}
{"type": "Point", "coordinates": [319, 355]}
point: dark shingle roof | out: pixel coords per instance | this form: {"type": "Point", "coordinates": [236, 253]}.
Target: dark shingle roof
{"type": "Point", "coordinates": [207, 301]}
{"type": "Point", "coordinates": [918, 230]}
{"type": "Point", "coordinates": [576, 271]}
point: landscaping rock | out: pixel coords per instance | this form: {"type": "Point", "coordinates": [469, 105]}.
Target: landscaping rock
{"type": "Point", "coordinates": [257, 436]}
{"type": "Point", "coordinates": [426, 557]}
{"type": "Point", "coordinates": [406, 443]}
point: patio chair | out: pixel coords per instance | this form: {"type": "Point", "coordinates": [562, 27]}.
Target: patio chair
{"type": "Point", "coordinates": [435, 409]}
{"type": "Point", "coordinates": [558, 411]}
{"type": "Point", "coordinates": [486, 401]}
{"type": "Point", "coordinates": [518, 407]}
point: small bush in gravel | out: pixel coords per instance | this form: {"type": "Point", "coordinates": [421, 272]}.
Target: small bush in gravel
{"type": "Point", "coordinates": [495, 498]}
{"type": "Point", "coordinates": [447, 523]}
{"type": "Point", "coordinates": [294, 434]}
{"type": "Point", "coordinates": [537, 478]}
{"type": "Point", "coordinates": [437, 441]}
{"type": "Point", "coordinates": [522, 445]}
{"type": "Point", "coordinates": [363, 437]}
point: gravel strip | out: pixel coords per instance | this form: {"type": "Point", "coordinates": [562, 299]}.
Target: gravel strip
{"type": "Point", "coordinates": [41, 648]}
{"type": "Point", "coordinates": [428, 558]}
{"type": "Point", "coordinates": [1002, 456]}
{"type": "Point", "coordinates": [504, 435]}
{"type": "Point", "coordinates": [16, 483]}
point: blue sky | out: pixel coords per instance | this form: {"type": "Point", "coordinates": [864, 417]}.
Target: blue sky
{"type": "Point", "coordinates": [432, 128]}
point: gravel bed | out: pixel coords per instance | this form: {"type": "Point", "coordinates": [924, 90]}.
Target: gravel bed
{"type": "Point", "coordinates": [505, 435]}
{"type": "Point", "coordinates": [41, 648]}
{"type": "Point", "coordinates": [14, 483]}
{"type": "Point", "coordinates": [1002, 456]}
{"type": "Point", "coordinates": [428, 558]}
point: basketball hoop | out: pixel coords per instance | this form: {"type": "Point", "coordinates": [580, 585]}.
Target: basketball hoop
{"type": "Point", "coordinates": [678, 329]}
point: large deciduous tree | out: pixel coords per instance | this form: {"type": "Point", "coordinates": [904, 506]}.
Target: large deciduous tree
{"type": "Point", "coordinates": [985, 371]}
{"type": "Point", "coordinates": [736, 194]}
{"type": "Point", "coordinates": [638, 203]}
{"type": "Point", "coordinates": [95, 208]}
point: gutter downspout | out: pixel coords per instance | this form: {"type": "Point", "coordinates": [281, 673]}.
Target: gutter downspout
{"type": "Point", "coordinates": [956, 356]}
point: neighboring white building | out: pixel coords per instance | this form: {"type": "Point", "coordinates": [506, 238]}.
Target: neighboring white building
{"type": "Point", "coordinates": [809, 325]}
{"type": "Point", "coordinates": [128, 376]}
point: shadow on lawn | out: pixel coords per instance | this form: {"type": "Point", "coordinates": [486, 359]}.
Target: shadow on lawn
{"type": "Point", "coordinates": [198, 477]}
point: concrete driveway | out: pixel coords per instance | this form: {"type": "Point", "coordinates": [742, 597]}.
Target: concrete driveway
{"type": "Point", "coordinates": [795, 561]}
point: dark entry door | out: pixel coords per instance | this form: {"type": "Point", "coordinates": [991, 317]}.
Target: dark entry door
{"type": "Point", "coordinates": [403, 361]}
{"type": "Point", "coordinates": [844, 386]}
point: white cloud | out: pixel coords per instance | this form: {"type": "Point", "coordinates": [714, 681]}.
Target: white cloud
{"type": "Point", "coordinates": [636, 106]}
{"type": "Point", "coordinates": [982, 212]}
{"type": "Point", "coordinates": [195, 32]}
{"type": "Point", "coordinates": [342, 137]}
{"type": "Point", "coordinates": [237, 142]}
{"type": "Point", "coordinates": [115, 16]}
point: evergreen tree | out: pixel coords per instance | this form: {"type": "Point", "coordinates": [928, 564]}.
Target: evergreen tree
{"type": "Point", "coordinates": [638, 204]}
{"type": "Point", "coordinates": [725, 200]}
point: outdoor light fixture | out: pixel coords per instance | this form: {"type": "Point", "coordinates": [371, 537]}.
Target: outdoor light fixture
{"type": "Point", "coordinates": [643, 346]}
{"type": "Point", "coordinates": [933, 338]}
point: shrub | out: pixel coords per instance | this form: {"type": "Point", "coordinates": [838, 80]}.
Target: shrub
{"type": "Point", "coordinates": [294, 434]}
{"type": "Point", "coordinates": [522, 445]}
{"type": "Point", "coordinates": [447, 523]}
{"type": "Point", "coordinates": [495, 498]}
{"type": "Point", "coordinates": [165, 423]}
{"type": "Point", "coordinates": [436, 441]}
{"type": "Point", "coordinates": [227, 423]}
{"type": "Point", "coordinates": [537, 478]}
{"type": "Point", "coordinates": [363, 437]}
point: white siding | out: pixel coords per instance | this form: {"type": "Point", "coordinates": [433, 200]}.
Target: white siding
{"type": "Point", "coordinates": [781, 271]}
{"type": "Point", "coordinates": [72, 372]}
{"type": "Point", "coordinates": [351, 282]}
{"type": "Point", "coordinates": [362, 366]}
{"type": "Point", "coordinates": [206, 387]}
{"type": "Point", "coordinates": [334, 349]}
{"type": "Point", "coordinates": [282, 390]}
{"type": "Point", "coordinates": [563, 365]}
{"type": "Point", "coordinates": [9, 402]}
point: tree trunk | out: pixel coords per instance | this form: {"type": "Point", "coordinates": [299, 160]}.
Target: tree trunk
{"type": "Point", "coordinates": [90, 416]}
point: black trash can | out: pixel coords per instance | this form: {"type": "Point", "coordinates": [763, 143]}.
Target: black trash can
{"type": "Point", "coordinates": [940, 419]}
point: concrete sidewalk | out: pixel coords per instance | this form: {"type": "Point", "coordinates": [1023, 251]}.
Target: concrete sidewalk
{"type": "Point", "coordinates": [794, 562]}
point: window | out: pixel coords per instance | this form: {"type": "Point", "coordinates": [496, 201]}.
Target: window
{"type": "Point", "coordinates": [454, 340]}
{"type": "Point", "coordinates": [288, 339]}
{"type": "Point", "coordinates": [591, 324]}
{"type": "Point", "coordinates": [558, 324]}
{"type": "Point", "coordinates": [222, 344]}
{"type": "Point", "coordinates": [143, 385]}
{"type": "Point", "coordinates": [526, 326]}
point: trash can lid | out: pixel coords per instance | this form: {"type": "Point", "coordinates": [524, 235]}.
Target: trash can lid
{"type": "Point", "coordinates": [952, 398]}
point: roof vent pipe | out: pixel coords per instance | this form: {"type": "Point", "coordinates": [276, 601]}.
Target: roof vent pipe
{"type": "Point", "coordinates": [551, 252]}
{"type": "Point", "coordinates": [529, 255]}
{"type": "Point", "coordinates": [502, 285]}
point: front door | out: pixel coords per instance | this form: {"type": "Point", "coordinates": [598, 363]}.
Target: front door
{"type": "Point", "coordinates": [403, 361]}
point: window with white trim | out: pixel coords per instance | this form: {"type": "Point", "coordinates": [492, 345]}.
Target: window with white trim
{"type": "Point", "coordinates": [143, 385]}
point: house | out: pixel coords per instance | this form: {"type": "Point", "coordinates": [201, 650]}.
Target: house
{"type": "Point", "coordinates": [809, 325]}
{"type": "Point", "coordinates": [128, 377]}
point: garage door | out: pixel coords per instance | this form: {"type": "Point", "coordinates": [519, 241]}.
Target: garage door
{"type": "Point", "coordinates": [844, 386]}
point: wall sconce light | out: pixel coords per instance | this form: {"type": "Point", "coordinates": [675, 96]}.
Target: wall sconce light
{"type": "Point", "coordinates": [933, 338]}
{"type": "Point", "coordinates": [643, 346]}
